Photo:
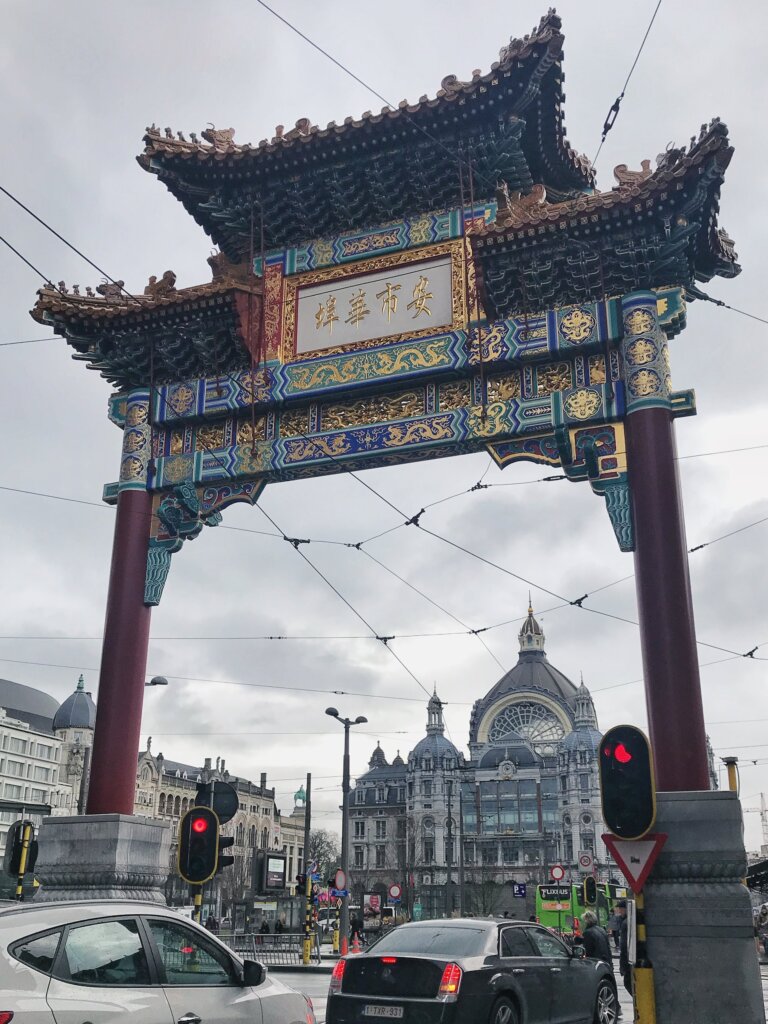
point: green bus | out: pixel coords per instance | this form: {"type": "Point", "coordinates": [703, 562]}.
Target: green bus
{"type": "Point", "coordinates": [558, 904]}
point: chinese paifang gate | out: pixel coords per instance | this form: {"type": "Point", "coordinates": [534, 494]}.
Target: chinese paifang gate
{"type": "Point", "coordinates": [434, 279]}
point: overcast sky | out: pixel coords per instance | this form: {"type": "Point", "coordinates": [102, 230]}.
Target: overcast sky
{"type": "Point", "coordinates": [80, 82]}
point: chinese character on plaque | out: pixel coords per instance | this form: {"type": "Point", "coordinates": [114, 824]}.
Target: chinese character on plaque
{"type": "Point", "coordinates": [358, 310]}
{"type": "Point", "coordinates": [388, 299]}
{"type": "Point", "coordinates": [420, 297]}
{"type": "Point", "coordinates": [326, 314]}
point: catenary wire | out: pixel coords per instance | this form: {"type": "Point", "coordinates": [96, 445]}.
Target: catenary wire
{"type": "Point", "coordinates": [611, 120]}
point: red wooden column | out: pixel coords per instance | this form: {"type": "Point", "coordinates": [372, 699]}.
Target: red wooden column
{"type": "Point", "coordinates": [126, 628]}
{"type": "Point", "coordinates": [667, 630]}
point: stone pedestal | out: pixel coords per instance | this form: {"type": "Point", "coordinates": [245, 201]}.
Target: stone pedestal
{"type": "Point", "coordinates": [698, 914]}
{"type": "Point", "coordinates": [103, 856]}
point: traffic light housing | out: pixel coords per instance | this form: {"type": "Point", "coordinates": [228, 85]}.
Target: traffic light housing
{"type": "Point", "coordinates": [198, 845]}
{"type": "Point", "coordinates": [589, 891]}
{"type": "Point", "coordinates": [627, 784]}
{"type": "Point", "coordinates": [227, 860]}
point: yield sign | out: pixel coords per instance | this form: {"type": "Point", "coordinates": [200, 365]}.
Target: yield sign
{"type": "Point", "coordinates": [635, 857]}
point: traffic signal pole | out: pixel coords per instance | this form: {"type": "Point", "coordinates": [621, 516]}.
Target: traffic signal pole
{"type": "Point", "coordinates": [307, 950]}
{"type": "Point", "coordinates": [26, 840]}
{"type": "Point", "coordinates": [198, 904]}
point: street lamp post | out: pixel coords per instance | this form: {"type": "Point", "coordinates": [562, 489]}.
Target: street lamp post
{"type": "Point", "coordinates": [345, 787]}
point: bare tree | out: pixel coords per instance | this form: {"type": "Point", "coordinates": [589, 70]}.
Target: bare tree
{"type": "Point", "coordinates": [324, 848]}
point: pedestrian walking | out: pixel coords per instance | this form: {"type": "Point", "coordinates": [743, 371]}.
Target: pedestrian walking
{"type": "Point", "coordinates": [625, 968]}
{"type": "Point", "coordinates": [614, 929]}
{"type": "Point", "coordinates": [212, 924]}
{"type": "Point", "coordinates": [595, 939]}
{"type": "Point", "coordinates": [356, 930]}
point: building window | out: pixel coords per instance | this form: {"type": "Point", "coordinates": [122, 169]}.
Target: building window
{"type": "Point", "coordinates": [17, 745]}
{"type": "Point", "coordinates": [401, 828]}
{"type": "Point", "coordinates": [490, 854]}
{"type": "Point", "coordinates": [429, 851]}
{"type": "Point", "coordinates": [380, 851]}
{"type": "Point", "coordinates": [401, 794]}
{"type": "Point", "coordinates": [15, 768]}
{"type": "Point", "coordinates": [469, 853]}
{"type": "Point", "coordinates": [161, 804]}
{"type": "Point", "coordinates": [381, 829]}
{"type": "Point", "coordinates": [426, 788]}
{"type": "Point", "coordinates": [12, 792]}
{"type": "Point", "coordinates": [359, 857]}
{"type": "Point", "coordinates": [510, 852]}
{"type": "Point", "coordinates": [264, 838]}
{"type": "Point", "coordinates": [381, 795]}
{"type": "Point", "coordinates": [587, 841]}
{"type": "Point", "coordinates": [360, 829]}
{"type": "Point", "coordinates": [359, 796]}
{"type": "Point", "coordinates": [37, 796]}
{"type": "Point", "coordinates": [43, 750]}
{"type": "Point", "coordinates": [563, 784]}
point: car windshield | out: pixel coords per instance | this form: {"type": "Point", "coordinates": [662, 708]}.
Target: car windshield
{"type": "Point", "coordinates": [434, 940]}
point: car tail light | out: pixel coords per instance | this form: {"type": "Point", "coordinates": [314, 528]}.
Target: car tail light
{"type": "Point", "coordinates": [336, 977]}
{"type": "Point", "coordinates": [6, 1016]}
{"type": "Point", "coordinates": [449, 983]}
{"type": "Point", "coordinates": [389, 959]}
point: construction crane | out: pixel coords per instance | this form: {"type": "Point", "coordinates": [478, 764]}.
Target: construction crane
{"type": "Point", "coordinates": [762, 810]}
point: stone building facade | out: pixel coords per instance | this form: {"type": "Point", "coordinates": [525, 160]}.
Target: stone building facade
{"type": "Point", "coordinates": [44, 752]}
{"type": "Point", "coordinates": [524, 798]}
{"type": "Point", "coordinates": [166, 790]}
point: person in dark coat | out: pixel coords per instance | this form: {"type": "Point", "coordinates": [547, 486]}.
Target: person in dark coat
{"type": "Point", "coordinates": [595, 939]}
{"type": "Point", "coordinates": [625, 968]}
{"type": "Point", "coordinates": [264, 930]}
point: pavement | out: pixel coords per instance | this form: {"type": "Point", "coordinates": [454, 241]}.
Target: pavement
{"type": "Point", "coordinates": [315, 985]}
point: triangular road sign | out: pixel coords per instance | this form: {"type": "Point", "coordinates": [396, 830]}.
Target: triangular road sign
{"type": "Point", "coordinates": [635, 857]}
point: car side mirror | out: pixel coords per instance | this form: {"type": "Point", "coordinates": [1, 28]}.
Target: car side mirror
{"type": "Point", "coordinates": [578, 952]}
{"type": "Point", "coordinates": [253, 973]}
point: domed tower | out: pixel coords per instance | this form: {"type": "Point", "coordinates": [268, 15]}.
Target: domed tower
{"type": "Point", "coordinates": [73, 723]}
{"type": "Point", "coordinates": [582, 823]}
{"type": "Point", "coordinates": [533, 700]}
{"type": "Point", "coordinates": [433, 806]}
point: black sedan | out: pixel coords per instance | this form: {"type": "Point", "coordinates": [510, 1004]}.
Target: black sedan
{"type": "Point", "coordinates": [472, 971]}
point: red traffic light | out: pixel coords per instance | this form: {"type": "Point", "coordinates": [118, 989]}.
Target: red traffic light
{"type": "Point", "coordinates": [199, 825]}
{"type": "Point", "coordinates": [622, 754]}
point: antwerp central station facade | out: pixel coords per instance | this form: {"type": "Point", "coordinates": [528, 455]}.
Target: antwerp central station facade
{"type": "Point", "coordinates": [527, 797]}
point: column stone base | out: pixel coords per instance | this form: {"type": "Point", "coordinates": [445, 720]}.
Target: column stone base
{"type": "Point", "coordinates": [698, 914]}
{"type": "Point", "coordinates": [103, 856]}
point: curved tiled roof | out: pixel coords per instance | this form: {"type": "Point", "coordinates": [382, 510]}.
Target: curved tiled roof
{"type": "Point", "coordinates": [315, 181]}
{"type": "Point", "coordinates": [674, 208]}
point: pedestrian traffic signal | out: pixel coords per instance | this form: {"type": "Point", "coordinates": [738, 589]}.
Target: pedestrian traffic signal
{"type": "Point", "coordinates": [627, 784]}
{"type": "Point", "coordinates": [589, 891]}
{"type": "Point", "coordinates": [227, 860]}
{"type": "Point", "coordinates": [198, 845]}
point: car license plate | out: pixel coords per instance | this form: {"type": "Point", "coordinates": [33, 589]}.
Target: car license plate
{"type": "Point", "coordinates": [392, 1012]}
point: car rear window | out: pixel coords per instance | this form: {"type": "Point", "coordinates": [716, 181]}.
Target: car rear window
{"type": "Point", "coordinates": [435, 940]}
{"type": "Point", "coordinates": [38, 951]}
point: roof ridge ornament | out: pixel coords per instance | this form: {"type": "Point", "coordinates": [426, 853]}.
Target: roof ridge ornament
{"type": "Point", "coordinates": [514, 208]}
{"type": "Point", "coordinates": [627, 178]}
{"type": "Point", "coordinates": [222, 139]}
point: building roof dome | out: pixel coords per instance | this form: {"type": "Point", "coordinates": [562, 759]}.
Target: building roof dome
{"type": "Point", "coordinates": [77, 712]}
{"type": "Point", "coordinates": [583, 736]}
{"type": "Point", "coordinates": [434, 743]}
{"type": "Point", "coordinates": [21, 701]}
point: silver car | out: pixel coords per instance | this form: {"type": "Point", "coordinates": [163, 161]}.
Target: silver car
{"type": "Point", "coordinates": [105, 961]}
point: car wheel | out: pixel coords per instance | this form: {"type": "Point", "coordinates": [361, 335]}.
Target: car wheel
{"type": "Point", "coordinates": [503, 1012]}
{"type": "Point", "coordinates": [607, 1005]}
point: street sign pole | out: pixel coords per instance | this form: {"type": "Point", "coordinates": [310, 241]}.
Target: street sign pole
{"type": "Point", "coordinates": [307, 950]}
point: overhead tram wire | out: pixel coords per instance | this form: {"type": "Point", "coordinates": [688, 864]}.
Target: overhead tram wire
{"type": "Point", "coordinates": [28, 341]}
{"type": "Point", "coordinates": [369, 88]}
{"type": "Point", "coordinates": [234, 682]}
{"type": "Point", "coordinates": [296, 545]}
{"type": "Point", "coordinates": [613, 113]}
{"type": "Point", "coordinates": [565, 602]}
